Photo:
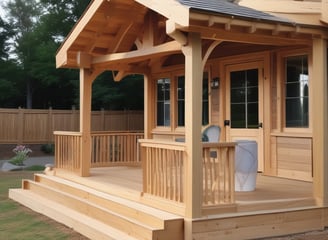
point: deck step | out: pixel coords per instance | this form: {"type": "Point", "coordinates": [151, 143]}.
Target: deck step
{"type": "Point", "coordinates": [134, 219]}
{"type": "Point", "coordinates": [81, 223]}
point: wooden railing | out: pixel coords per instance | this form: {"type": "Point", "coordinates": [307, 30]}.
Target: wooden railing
{"type": "Point", "coordinates": [115, 149]}
{"type": "Point", "coordinates": [68, 150]}
{"type": "Point", "coordinates": [218, 174]}
{"type": "Point", "coordinates": [108, 149]}
{"type": "Point", "coordinates": [164, 169]}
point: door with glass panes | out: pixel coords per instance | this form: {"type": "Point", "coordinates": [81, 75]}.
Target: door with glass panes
{"type": "Point", "coordinates": [244, 104]}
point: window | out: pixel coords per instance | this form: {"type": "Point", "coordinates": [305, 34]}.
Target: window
{"type": "Point", "coordinates": [163, 102]}
{"type": "Point", "coordinates": [296, 92]}
{"type": "Point", "coordinates": [244, 99]}
{"type": "Point", "coordinates": [181, 101]}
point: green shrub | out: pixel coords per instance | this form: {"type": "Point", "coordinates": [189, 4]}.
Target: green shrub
{"type": "Point", "coordinates": [48, 148]}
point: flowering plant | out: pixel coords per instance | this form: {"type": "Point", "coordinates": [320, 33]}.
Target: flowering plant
{"type": "Point", "coordinates": [22, 153]}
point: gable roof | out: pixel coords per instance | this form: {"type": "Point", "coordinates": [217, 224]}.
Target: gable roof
{"type": "Point", "coordinates": [228, 8]}
{"type": "Point", "coordinates": [117, 26]}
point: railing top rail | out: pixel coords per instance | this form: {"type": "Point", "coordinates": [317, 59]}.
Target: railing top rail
{"type": "Point", "coordinates": [221, 144]}
{"type": "Point", "coordinates": [99, 133]}
{"type": "Point", "coordinates": [67, 133]}
{"type": "Point", "coordinates": [162, 144]}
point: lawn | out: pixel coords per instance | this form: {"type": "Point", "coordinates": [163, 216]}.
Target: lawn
{"type": "Point", "coordinates": [18, 222]}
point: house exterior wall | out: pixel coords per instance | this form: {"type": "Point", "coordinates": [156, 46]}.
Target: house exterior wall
{"type": "Point", "coordinates": [287, 152]}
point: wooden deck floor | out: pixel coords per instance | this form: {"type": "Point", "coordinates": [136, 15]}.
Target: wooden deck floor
{"type": "Point", "coordinates": [270, 193]}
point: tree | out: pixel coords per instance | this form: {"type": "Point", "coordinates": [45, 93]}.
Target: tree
{"type": "Point", "coordinates": [22, 16]}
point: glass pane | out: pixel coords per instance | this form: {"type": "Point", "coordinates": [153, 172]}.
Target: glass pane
{"type": "Point", "coordinates": [238, 95]}
{"type": "Point", "coordinates": [237, 79]}
{"type": "Point", "coordinates": [160, 114]}
{"type": "Point", "coordinates": [181, 113]}
{"type": "Point", "coordinates": [252, 94]}
{"type": "Point", "coordinates": [205, 113]}
{"type": "Point", "coordinates": [297, 112]}
{"type": "Point", "coordinates": [238, 116]}
{"type": "Point", "coordinates": [163, 102]}
{"type": "Point", "coordinates": [252, 115]}
{"type": "Point", "coordinates": [244, 99]}
{"type": "Point", "coordinates": [296, 92]}
{"type": "Point", "coordinates": [252, 77]}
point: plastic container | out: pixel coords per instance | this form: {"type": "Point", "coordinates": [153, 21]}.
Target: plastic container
{"type": "Point", "coordinates": [246, 163]}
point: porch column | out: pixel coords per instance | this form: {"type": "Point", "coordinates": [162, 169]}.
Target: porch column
{"type": "Point", "coordinates": [193, 123]}
{"type": "Point", "coordinates": [148, 106]}
{"type": "Point", "coordinates": [85, 121]}
{"type": "Point", "coordinates": [320, 121]}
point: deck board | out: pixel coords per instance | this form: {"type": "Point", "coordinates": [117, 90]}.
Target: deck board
{"type": "Point", "coordinates": [270, 193]}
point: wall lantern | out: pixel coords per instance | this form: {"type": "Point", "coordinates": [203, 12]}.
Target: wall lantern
{"type": "Point", "coordinates": [215, 83]}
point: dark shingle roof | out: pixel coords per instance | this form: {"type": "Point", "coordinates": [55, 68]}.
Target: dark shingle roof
{"type": "Point", "coordinates": [224, 7]}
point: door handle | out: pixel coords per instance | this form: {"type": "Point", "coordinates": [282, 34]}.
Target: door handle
{"type": "Point", "coordinates": [260, 125]}
{"type": "Point", "coordinates": [226, 123]}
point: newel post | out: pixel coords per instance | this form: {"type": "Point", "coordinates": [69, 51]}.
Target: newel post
{"type": "Point", "coordinates": [193, 124]}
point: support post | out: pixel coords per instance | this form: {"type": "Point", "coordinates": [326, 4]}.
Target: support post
{"type": "Point", "coordinates": [85, 121]}
{"type": "Point", "coordinates": [148, 106]}
{"type": "Point", "coordinates": [193, 123]}
{"type": "Point", "coordinates": [320, 121]}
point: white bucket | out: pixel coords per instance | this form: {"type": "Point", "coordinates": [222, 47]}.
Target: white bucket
{"type": "Point", "coordinates": [245, 165]}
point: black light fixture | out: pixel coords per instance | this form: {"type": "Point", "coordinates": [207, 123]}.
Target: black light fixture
{"type": "Point", "coordinates": [215, 83]}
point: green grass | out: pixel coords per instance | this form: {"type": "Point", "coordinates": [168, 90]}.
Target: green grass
{"type": "Point", "coordinates": [20, 223]}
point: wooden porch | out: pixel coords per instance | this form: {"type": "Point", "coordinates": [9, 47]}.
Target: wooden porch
{"type": "Point", "coordinates": [132, 185]}
{"type": "Point", "coordinates": [271, 193]}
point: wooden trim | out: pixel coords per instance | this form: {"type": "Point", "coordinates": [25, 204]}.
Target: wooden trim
{"type": "Point", "coordinates": [320, 121]}
{"type": "Point", "coordinates": [61, 56]}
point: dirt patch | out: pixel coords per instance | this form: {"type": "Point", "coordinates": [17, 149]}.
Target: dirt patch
{"type": "Point", "coordinates": [6, 151]}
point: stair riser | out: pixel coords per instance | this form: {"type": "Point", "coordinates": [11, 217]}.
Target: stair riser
{"type": "Point", "coordinates": [90, 210]}
{"type": "Point", "coordinates": [121, 209]}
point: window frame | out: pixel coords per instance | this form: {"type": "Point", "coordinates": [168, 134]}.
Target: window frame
{"type": "Point", "coordinates": [281, 90]}
{"type": "Point", "coordinates": [173, 76]}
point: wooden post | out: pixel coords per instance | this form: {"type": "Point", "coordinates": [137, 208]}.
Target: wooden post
{"type": "Point", "coordinates": [193, 123]}
{"type": "Point", "coordinates": [85, 121]}
{"type": "Point", "coordinates": [20, 126]}
{"type": "Point", "coordinates": [148, 106]}
{"type": "Point", "coordinates": [320, 121]}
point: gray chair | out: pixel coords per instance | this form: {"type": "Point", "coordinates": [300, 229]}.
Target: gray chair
{"type": "Point", "coordinates": [212, 133]}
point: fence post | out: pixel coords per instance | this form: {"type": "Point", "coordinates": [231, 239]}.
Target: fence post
{"type": "Point", "coordinates": [50, 125]}
{"type": "Point", "coordinates": [20, 127]}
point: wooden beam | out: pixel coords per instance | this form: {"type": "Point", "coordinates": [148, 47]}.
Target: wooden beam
{"type": "Point", "coordinates": [319, 91]}
{"type": "Point", "coordinates": [244, 37]}
{"type": "Point", "coordinates": [171, 9]}
{"type": "Point", "coordinates": [229, 22]}
{"type": "Point", "coordinates": [176, 34]}
{"type": "Point", "coordinates": [324, 11]}
{"type": "Point", "coordinates": [193, 124]}
{"type": "Point", "coordinates": [61, 56]}
{"type": "Point", "coordinates": [138, 55]}
{"type": "Point", "coordinates": [83, 60]}
{"type": "Point", "coordinates": [112, 48]}
{"type": "Point", "coordinates": [209, 51]}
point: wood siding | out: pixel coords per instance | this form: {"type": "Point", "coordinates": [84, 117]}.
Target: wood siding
{"type": "Point", "coordinates": [293, 157]}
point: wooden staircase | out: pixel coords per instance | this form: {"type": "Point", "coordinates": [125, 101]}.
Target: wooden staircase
{"type": "Point", "coordinates": [96, 214]}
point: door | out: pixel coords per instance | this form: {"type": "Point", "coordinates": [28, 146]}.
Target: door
{"type": "Point", "coordinates": [244, 104]}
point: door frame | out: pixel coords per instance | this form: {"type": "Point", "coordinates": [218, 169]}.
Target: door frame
{"type": "Point", "coordinates": [264, 58]}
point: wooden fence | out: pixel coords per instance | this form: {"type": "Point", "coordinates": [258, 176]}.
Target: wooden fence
{"type": "Point", "coordinates": [28, 126]}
